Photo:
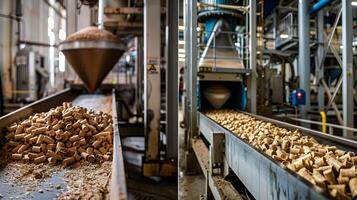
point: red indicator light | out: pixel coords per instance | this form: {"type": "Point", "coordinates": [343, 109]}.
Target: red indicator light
{"type": "Point", "coordinates": [299, 94]}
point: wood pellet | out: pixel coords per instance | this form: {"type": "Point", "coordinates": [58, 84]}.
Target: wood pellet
{"type": "Point", "coordinates": [324, 166]}
{"type": "Point", "coordinates": [64, 135]}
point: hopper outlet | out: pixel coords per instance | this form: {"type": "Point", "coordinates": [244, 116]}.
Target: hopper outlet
{"type": "Point", "coordinates": [92, 60]}
{"type": "Point", "coordinates": [217, 95]}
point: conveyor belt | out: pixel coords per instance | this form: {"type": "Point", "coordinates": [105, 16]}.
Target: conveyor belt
{"type": "Point", "coordinates": [105, 103]}
{"type": "Point", "coordinates": [264, 177]}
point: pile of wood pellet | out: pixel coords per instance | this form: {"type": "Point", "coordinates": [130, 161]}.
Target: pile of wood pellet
{"type": "Point", "coordinates": [325, 166]}
{"type": "Point", "coordinates": [92, 33]}
{"type": "Point", "coordinates": [65, 134]}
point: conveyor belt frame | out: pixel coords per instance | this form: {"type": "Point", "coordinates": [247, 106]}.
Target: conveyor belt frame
{"type": "Point", "coordinates": [264, 177]}
{"type": "Point", "coordinates": [118, 184]}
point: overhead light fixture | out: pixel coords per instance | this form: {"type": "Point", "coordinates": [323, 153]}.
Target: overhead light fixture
{"type": "Point", "coordinates": [181, 28]}
{"type": "Point", "coordinates": [181, 60]}
{"type": "Point", "coordinates": [181, 51]}
{"type": "Point", "coordinates": [181, 42]}
{"type": "Point", "coordinates": [354, 3]}
{"type": "Point", "coordinates": [284, 36]}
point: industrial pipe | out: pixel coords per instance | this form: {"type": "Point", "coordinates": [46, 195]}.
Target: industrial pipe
{"type": "Point", "coordinates": [304, 53]}
{"type": "Point", "coordinates": [319, 5]}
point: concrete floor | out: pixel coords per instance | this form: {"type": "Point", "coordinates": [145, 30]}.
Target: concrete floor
{"type": "Point", "coordinates": [145, 188]}
{"type": "Point", "coordinates": [191, 187]}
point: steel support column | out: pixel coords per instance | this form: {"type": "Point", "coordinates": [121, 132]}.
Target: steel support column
{"type": "Point", "coordinates": [101, 5]}
{"type": "Point", "coordinates": [193, 66]}
{"type": "Point", "coordinates": [172, 79]}
{"type": "Point", "coordinates": [329, 37]}
{"type": "Point", "coordinates": [139, 74]}
{"type": "Point", "coordinates": [253, 54]}
{"type": "Point", "coordinates": [71, 15]}
{"type": "Point", "coordinates": [320, 52]}
{"type": "Point", "coordinates": [304, 53]}
{"type": "Point", "coordinates": [187, 115]}
{"type": "Point", "coordinates": [275, 25]}
{"type": "Point", "coordinates": [347, 66]}
{"type": "Point", "coordinates": [152, 102]}
{"type": "Point", "coordinates": [71, 27]}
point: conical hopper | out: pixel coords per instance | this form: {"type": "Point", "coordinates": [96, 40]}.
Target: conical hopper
{"type": "Point", "coordinates": [217, 95]}
{"type": "Point", "coordinates": [92, 60]}
{"type": "Point", "coordinates": [220, 50]}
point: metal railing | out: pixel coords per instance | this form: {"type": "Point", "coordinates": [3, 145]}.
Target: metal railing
{"type": "Point", "coordinates": [330, 126]}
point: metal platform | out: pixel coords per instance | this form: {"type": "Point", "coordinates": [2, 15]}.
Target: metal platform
{"type": "Point", "coordinates": [264, 177]}
{"type": "Point", "coordinates": [105, 103]}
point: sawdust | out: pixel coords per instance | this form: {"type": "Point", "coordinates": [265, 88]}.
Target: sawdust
{"type": "Point", "coordinates": [88, 182]}
{"type": "Point", "coordinates": [83, 181]}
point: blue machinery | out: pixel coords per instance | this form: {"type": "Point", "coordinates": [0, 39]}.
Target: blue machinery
{"type": "Point", "coordinates": [219, 152]}
{"type": "Point", "coordinates": [220, 63]}
{"type": "Point", "coordinates": [298, 97]}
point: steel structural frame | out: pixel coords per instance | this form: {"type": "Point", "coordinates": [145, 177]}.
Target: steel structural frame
{"type": "Point", "coordinates": [321, 58]}
{"type": "Point", "coordinates": [187, 111]}
{"type": "Point", "coordinates": [139, 66]}
{"type": "Point", "coordinates": [347, 66]}
{"type": "Point", "coordinates": [346, 81]}
{"type": "Point", "coordinates": [153, 164]}
{"type": "Point", "coordinates": [71, 27]}
{"type": "Point", "coordinates": [193, 57]}
{"type": "Point", "coordinates": [319, 72]}
{"type": "Point", "coordinates": [152, 91]}
{"type": "Point", "coordinates": [253, 54]}
{"type": "Point", "coordinates": [304, 53]}
{"type": "Point", "coordinates": [172, 79]}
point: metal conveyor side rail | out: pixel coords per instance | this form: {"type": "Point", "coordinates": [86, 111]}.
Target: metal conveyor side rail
{"type": "Point", "coordinates": [118, 185]}
{"type": "Point", "coordinates": [41, 105]}
{"type": "Point", "coordinates": [264, 177]}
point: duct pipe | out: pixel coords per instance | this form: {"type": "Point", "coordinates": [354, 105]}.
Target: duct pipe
{"type": "Point", "coordinates": [101, 5]}
{"type": "Point", "coordinates": [304, 53]}
{"type": "Point", "coordinates": [319, 5]}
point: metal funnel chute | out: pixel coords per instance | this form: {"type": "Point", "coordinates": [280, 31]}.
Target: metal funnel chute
{"type": "Point", "coordinates": [217, 95]}
{"type": "Point", "coordinates": [220, 50]}
{"type": "Point", "coordinates": [92, 59]}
